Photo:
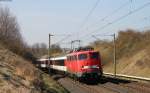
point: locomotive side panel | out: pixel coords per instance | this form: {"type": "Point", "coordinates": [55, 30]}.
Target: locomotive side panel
{"type": "Point", "coordinates": [71, 63]}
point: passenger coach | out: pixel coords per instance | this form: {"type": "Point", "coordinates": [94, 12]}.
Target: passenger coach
{"type": "Point", "coordinates": [58, 63]}
{"type": "Point", "coordinates": [42, 63]}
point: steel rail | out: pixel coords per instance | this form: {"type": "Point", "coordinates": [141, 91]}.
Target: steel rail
{"type": "Point", "coordinates": [127, 76]}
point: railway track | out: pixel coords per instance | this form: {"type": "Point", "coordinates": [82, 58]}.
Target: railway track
{"type": "Point", "coordinates": [105, 87]}
{"type": "Point", "coordinates": [78, 87]}
{"type": "Point", "coordinates": [138, 87]}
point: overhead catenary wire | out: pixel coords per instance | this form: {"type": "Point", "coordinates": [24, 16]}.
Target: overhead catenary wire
{"type": "Point", "coordinates": [115, 11]}
{"type": "Point", "coordinates": [4, 0]}
{"type": "Point", "coordinates": [144, 27]}
{"type": "Point", "coordinates": [131, 5]}
{"type": "Point", "coordinates": [63, 39]}
{"type": "Point", "coordinates": [120, 18]}
{"type": "Point", "coordinates": [110, 14]}
{"type": "Point", "coordinates": [89, 14]}
{"type": "Point", "coordinates": [86, 18]}
{"type": "Point", "coordinates": [62, 34]}
{"type": "Point", "coordinates": [95, 36]}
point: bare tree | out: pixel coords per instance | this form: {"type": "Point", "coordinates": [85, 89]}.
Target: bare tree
{"type": "Point", "coordinates": [8, 25]}
{"type": "Point", "coordinates": [55, 49]}
{"type": "Point", "coordinates": [10, 35]}
{"type": "Point", "coordinates": [39, 49]}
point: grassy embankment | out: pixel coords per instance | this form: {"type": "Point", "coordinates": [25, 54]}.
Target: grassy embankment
{"type": "Point", "coordinates": [133, 53]}
{"type": "Point", "coordinates": [19, 76]}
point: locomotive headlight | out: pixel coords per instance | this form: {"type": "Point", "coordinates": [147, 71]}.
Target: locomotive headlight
{"type": "Point", "coordinates": [95, 66]}
{"type": "Point", "coordinates": [43, 65]}
{"type": "Point", "coordinates": [86, 67]}
{"type": "Point", "coordinates": [92, 66]}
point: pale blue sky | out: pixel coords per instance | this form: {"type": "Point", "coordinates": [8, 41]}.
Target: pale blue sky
{"type": "Point", "coordinates": [37, 18]}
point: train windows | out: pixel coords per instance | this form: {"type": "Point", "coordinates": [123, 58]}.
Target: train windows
{"type": "Point", "coordinates": [82, 56]}
{"type": "Point", "coordinates": [94, 55]}
{"type": "Point", "coordinates": [59, 62]}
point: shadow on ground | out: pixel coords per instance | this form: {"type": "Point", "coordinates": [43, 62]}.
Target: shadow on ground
{"type": "Point", "coordinates": [114, 80]}
{"type": "Point", "coordinates": [57, 77]}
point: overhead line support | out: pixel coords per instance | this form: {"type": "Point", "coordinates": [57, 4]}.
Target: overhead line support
{"type": "Point", "coordinates": [50, 35]}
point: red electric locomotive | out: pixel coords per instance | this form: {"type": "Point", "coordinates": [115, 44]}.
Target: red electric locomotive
{"type": "Point", "coordinates": [84, 64]}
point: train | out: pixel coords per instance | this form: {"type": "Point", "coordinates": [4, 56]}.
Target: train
{"type": "Point", "coordinates": [82, 64]}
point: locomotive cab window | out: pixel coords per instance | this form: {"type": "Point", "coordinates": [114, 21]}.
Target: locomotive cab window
{"type": "Point", "coordinates": [94, 55]}
{"type": "Point", "coordinates": [82, 56]}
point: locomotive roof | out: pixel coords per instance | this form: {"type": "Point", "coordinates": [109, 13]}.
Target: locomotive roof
{"type": "Point", "coordinates": [79, 52]}
{"type": "Point", "coordinates": [54, 58]}
{"type": "Point", "coordinates": [42, 59]}
{"type": "Point", "coordinates": [58, 58]}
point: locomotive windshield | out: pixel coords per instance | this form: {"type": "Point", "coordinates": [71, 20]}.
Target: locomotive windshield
{"type": "Point", "coordinates": [82, 56]}
{"type": "Point", "coordinates": [94, 55]}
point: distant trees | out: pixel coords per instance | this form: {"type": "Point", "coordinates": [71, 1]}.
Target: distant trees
{"type": "Point", "coordinates": [39, 49]}
{"type": "Point", "coordinates": [55, 49]}
{"type": "Point", "coordinates": [131, 41]}
{"type": "Point", "coordinates": [11, 38]}
{"type": "Point", "coordinates": [128, 43]}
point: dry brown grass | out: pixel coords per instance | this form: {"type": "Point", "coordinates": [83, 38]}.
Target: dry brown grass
{"type": "Point", "coordinates": [133, 53]}
{"type": "Point", "coordinates": [20, 76]}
